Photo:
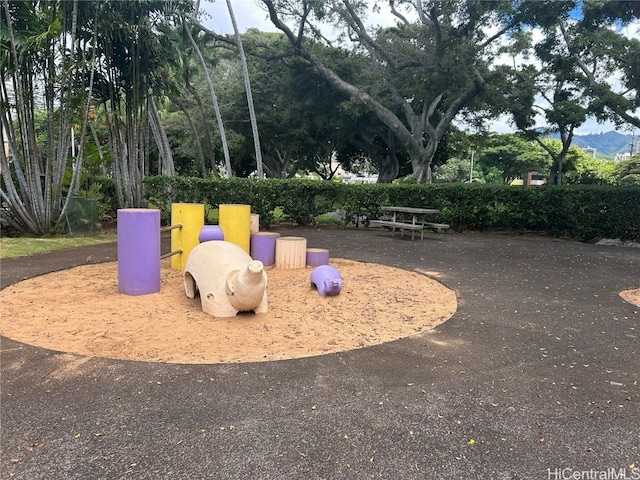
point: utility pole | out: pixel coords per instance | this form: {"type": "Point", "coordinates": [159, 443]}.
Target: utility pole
{"type": "Point", "coordinates": [473, 152]}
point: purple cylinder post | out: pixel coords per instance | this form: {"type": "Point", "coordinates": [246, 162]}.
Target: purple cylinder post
{"type": "Point", "coordinates": [263, 247]}
{"type": "Point", "coordinates": [138, 251]}
{"type": "Point", "coordinates": [209, 233]}
{"type": "Point", "coordinates": [317, 257]}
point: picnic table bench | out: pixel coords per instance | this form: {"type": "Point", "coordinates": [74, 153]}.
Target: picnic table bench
{"type": "Point", "coordinates": [408, 218]}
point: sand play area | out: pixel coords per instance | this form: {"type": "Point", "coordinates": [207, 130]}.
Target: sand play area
{"type": "Point", "coordinates": [80, 311]}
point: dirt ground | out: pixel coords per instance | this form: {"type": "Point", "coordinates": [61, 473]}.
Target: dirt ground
{"type": "Point", "coordinates": [80, 311]}
{"type": "Point", "coordinates": [631, 296]}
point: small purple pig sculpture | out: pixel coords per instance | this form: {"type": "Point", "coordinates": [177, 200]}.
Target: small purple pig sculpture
{"type": "Point", "coordinates": [327, 280]}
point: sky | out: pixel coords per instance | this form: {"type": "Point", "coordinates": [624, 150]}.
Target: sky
{"type": "Point", "coordinates": [248, 15]}
{"type": "Point", "coordinates": [251, 14]}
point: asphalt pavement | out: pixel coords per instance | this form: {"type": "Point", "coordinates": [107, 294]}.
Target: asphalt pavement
{"type": "Point", "coordinates": [536, 376]}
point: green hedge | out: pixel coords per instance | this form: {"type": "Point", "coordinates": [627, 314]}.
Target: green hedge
{"type": "Point", "coordinates": [584, 212]}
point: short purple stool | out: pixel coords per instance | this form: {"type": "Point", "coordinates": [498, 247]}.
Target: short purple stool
{"type": "Point", "coordinates": [317, 257]}
{"type": "Point", "coordinates": [138, 251]}
{"type": "Point", "coordinates": [263, 247]}
{"type": "Point", "coordinates": [209, 233]}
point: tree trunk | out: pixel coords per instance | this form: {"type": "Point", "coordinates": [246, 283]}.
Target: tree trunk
{"type": "Point", "coordinates": [276, 165]}
{"type": "Point", "coordinates": [247, 86]}
{"type": "Point", "coordinates": [34, 175]}
{"type": "Point", "coordinates": [205, 124]}
{"type": "Point", "coordinates": [214, 100]}
{"type": "Point", "coordinates": [194, 131]}
{"type": "Point", "coordinates": [162, 142]}
{"type": "Point", "coordinates": [388, 168]}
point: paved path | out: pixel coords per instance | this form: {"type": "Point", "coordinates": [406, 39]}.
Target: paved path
{"type": "Point", "coordinates": [536, 376]}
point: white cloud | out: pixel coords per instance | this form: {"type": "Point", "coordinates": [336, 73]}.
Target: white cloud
{"type": "Point", "coordinates": [253, 14]}
{"type": "Point", "coordinates": [248, 13]}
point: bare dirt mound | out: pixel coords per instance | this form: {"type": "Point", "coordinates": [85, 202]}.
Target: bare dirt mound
{"type": "Point", "coordinates": [631, 296]}
{"type": "Point", "coordinates": [80, 311]}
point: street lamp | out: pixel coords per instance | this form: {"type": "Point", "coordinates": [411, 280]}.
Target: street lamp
{"type": "Point", "coordinates": [473, 152]}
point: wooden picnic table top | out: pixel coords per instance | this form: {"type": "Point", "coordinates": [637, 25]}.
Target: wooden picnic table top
{"type": "Point", "coordinates": [412, 210]}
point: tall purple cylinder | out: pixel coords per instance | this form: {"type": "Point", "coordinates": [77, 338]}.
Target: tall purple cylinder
{"type": "Point", "coordinates": [138, 251]}
{"type": "Point", "coordinates": [263, 247]}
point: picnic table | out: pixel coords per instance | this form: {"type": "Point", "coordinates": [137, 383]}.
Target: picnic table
{"type": "Point", "coordinates": [408, 218]}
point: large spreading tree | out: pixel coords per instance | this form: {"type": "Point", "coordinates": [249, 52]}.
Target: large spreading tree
{"type": "Point", "coordinates": [422, 73]}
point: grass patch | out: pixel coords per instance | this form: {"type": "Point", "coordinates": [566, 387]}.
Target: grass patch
{"type": "Point", "coordinates": [326, 219]}
{"type": "Point", "coordinates": [24, 246]}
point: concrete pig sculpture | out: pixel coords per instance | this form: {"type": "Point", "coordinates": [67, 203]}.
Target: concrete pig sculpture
{"type": "Point", "coordinates": [228, 280]}
{"type": "Point", "coordinates": [327, 280]}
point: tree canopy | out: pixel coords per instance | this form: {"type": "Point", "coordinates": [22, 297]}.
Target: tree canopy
{"type": "Point", "coordinates": [128, 89]}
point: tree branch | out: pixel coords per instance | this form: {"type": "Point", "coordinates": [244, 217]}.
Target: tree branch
{"type": "Point", "coordinates": [593, 83]}
{"type": "Point", "coordinates": [397, 14]}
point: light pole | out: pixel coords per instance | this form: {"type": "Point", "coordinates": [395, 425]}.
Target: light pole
{"type": "Point", "coordinates": [473, 152]}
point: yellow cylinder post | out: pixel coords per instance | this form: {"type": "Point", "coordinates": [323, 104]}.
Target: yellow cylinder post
{"type": "Point", "coordinates": [191, 217]}
{"type": "Point", "coordinates": [235, 222]}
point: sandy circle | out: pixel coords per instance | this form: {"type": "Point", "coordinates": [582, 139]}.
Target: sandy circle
{"type": "Point", "coordinates": [631, 296]}
{"type": "Point", "coordinates": [79, 311]}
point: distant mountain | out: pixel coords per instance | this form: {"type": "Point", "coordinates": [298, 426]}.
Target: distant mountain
{"type": "Point", "coordinates": [606, 144]}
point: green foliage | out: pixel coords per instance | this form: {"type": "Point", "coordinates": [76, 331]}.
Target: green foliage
{"type": "Point", "coordinates": [585, 212]}
{"type": "Point", "coordinates": [513, 155]}
{"type": "Point", "coordinates": [455, 169]}
{"type": "Point", "coordinates": [94, 193]}
{"type": "Point", "coordinates": [108, 198]}
{"type": "Point", "coordinates": [627, 172]}
{"type": "Point", "coordinates": [583, 168]}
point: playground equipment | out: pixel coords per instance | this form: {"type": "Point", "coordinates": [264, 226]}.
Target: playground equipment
{"type": "Point", "coordinates": [235, 222]}
{"type": "Point", "coordinates": [233, 282]}
{"type": "Point", "coordinates": [327, 280]}
{"type": "Point", "coordinates": [187, 219]}
{"type": "Point", "coordinates": [317, 257]}
{"type": "Point", "coordinates": [254, 223]}
{"type": "Point", "coordinates": [210, 233]}
{"type": "Point", "coordinates": [291, 252]}
{"type": "Point", "coordinates": [228, 280]}
{"type": "Point", "coordinates": [138, 251]}
{"type": "Point", "coordinates": [263, 247]}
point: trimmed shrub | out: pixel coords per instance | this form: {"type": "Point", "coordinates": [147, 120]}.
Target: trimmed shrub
{"type": "Point", "coordinates": [585, 212]}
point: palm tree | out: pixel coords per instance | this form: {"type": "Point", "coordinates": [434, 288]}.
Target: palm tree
{"type": "Point", "coordinates": [175, 86]}
{"type": "Point", "coordinates": [134, 57]}
{"type": "Point", "coordinates": [247, 85]}
{"type": "Point", "coordinates": [164, 149]}
{"type": "Point", "coordinates": [41, 84]}
{"type": "Point", "coordinates": [214, 99]}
